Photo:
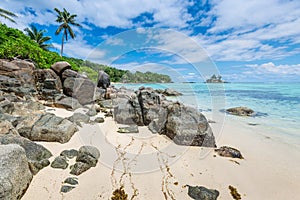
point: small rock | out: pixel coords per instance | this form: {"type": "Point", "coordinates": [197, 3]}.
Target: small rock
{"type": "Point", "coordinates": [240, 111]}
{"type": "Point", "coordinates": [79, 167]}
{"type": "Point", "coordinates": [66, 188]}
{"type": "Point", "coordinates": [92, 112]}
{"type": "Point", "coordinates": [79, 117]}
{"type": "Point", "coordinates": [226, 151]}
{"type": "Point", "coordinates": [129, 129]}
{"type": "Point", "coordinates": [99, 120]}
{"type": "Point", "coordinates": [88, 155]}
{"type": "Point", "coordinates": [69, 153]}
{"type": "Point", "coordinates": [60, 162]}
{"type": "Point", "coordinates": [71, 181]}
{"type": "Point", "coordinates": [234, 193]}
{"type": "Point", "coordinates": [202, 193]}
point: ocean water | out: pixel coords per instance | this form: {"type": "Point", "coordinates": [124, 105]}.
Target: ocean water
{"type": "Point", "coordinates": [277, 105]}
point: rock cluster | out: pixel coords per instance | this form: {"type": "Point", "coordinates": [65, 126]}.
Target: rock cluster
{"type": "Point", "coordinates": [146, 107]}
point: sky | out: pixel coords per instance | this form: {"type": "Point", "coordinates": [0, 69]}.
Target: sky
{"type": "Point", "coordinates": [242, 40]}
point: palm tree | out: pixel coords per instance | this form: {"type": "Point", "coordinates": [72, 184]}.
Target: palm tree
{"type": "Point", "coordinates": [7, 15]}
{"type": "Point", "coordinates": [66, 19]}
{"type": "Point", "coordinates": [38, 37]}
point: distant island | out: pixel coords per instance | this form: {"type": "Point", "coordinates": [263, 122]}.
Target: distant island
{"type": "Point", "coordinates": [215, 79]}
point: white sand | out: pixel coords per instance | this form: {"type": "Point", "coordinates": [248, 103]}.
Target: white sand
{"type": "Point", "coordinates": [152, 164]}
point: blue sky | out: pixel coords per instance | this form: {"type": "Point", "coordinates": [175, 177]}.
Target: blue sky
{"type": "Point", "coordinates": [189, 40]}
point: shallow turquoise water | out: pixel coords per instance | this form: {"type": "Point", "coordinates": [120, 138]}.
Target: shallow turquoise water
{"type": "Point", "coordinates": [277, 104]}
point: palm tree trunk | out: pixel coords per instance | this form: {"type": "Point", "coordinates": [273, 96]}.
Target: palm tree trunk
{"type": "Point", "coordinates": [62, 45]}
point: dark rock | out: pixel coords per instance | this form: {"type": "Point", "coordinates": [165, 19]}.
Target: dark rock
{"type": "Point", "coordinates": [68, 73]}
{"type": "Point", "coordinates": [15, 175]}
{"type": "Point", "coordinates": [66, 188]}
{"type": "Point", "coordinates": [69, 153]}
{"type": "Point", "coordinates": [202, 193]}
{"type": "Point", "coordinates": [187, 126]}
{"type": "Point", "coordinates": [71, 181]}
{"type": "Point", "coordinates": [150, 103]}
{"type": "Point", "coordinates": [99, 120]}
{"type": "Point", "coordinates": [129, 129]}
{"type": "Point", "coordinates": [78, 118]}
{"type": "Point", "coordinates": [18, 69]}
{"type": "Point", "coordinates": [234, 193]}
{"type": "Point", "coordinates": [6, 106]}
{"type": "Point", "coordinates": [229, 152]}
{"type": "Point", "coordinates": [103, 80]}
{"type": "Point", "coordinates": [240, 111]}
{"type": "Point", "coordinates": [88, 155]}
{"type": "Point", "coordinates": [47, 127]}
{"type": "Point", "coordinates": [60, 162]}
{"type": "Point", "coordinates": [68, 103]}
{"type": "Point", "coordinates": [40, 75]}
{"type": "Point", "coordinates": [170, 92]}
{"type": "Point", "coordinates": [79, 167]}
{"type": "Point", "coordinates": [84, 90]}
{"type": "Point", "coordinates": [60, 67]}
{"type": "Point", "coordinates": [36, 154]}
{"type": "Point", "coordinates": [128, 111]}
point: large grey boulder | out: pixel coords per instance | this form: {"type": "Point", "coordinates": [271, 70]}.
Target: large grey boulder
{"type": "Point", "coordinates": [187, 126]}
{"type": "Point", "coordinates": [47, 127]}
{"type": "Point", "coordinates": [20, 69]}
{"type": "Point", "coordinates": [36, 154]}
{"type": "Point", "coordinates": [128, 111]}
{"type": "Point", "coordinates": [60, 67]}
{"type": "Point", "coordinates": [41, 75]}
{"type": "Point", "coordinates": [103, 80]}
{"type": "Point", "coordinates": [65, 102]}
{"type": "Point", "coordinates": [84, 90]}
{"type": "Point", "coordinates": [68, 73]}
{"type": "Point", "coordinates": [15, 175]}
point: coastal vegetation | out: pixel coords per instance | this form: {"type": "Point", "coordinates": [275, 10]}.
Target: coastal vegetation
{"type": "Point", "coordinates": [38, 36]}
{"type": "Point", "coordinates": [15, 44]}
{"type": "Point", "coordinates": [215, 79]}
{"type": "Point", "coordinates": [66, 19]}
{"type": "Point", "coordinates": [7, 15]}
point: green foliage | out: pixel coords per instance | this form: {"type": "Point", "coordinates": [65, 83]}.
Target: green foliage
{"type": "Point", "coordinates": [14, 43]}
{"type": "Point", "coordinates": [38, 36]}
{"type": "Point", "coordinates": [66, 19]}
{"type": "Point", "coordinates": [148, 77]}
{"type": "Point", "coordinates": [7, 15]}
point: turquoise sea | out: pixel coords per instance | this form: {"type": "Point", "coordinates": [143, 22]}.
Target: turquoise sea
{"type": "Point", "coordinates": [277, 105]}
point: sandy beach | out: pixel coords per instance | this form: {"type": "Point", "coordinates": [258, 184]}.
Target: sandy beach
{"type": "Point", "coordinates": [150, 166]}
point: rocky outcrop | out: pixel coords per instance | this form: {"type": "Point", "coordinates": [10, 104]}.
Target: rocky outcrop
{"type": "Point", "coordinates": [103, 80]}
{"type": "Point", "coordinates": [226, 151]}
{"type": "Point", "coordinates": [36, 154]}
{"type": "Point", "coordinates": [182, 124]}
{"type": "Point", "coordinates": [60, 67]}
{"type": "Point", "coordinates": [187, 126]}
{"type": "Point", "coordinates": [19, 69]}
{"type": "Point", "coordinates": [78, 118]}
{"type": "Point", "coordinates": [15, 175]}
{"type": "Point", "coordinates": [240, 111]}
{"type": "Point", "coordinates": [202, 193]}
{"type": "Point", "coordinates": [84, 90]}
{"type": "Point", "coordinates": [47, 127]}
{"type": "Point", "coordinates": [67, 103]}
{"type": "Point", "coordinates": [168, 92]}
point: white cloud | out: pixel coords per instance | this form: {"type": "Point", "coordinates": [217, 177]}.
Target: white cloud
{"type": "Point", "coordinates": [79, 48]}
{"type": "Point", "coordinates": [103, 13]}
{"type": "Point", "coordinates": [271, 68]}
